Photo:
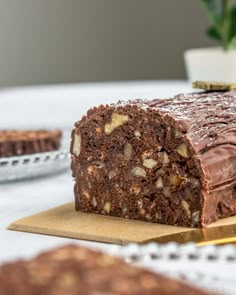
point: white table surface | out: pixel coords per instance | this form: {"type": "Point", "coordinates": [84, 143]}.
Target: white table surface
{"type": "Point", "coordinates": [55, 106]}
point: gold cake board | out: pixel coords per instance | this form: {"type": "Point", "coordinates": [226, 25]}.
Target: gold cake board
{"type": "Point", "coordinates": [64, 221]}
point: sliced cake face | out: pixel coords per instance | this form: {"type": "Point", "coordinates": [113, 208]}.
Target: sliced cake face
{"type": "Point", "coordinates": [75, 270]}
{"type": "Point", "coordinates": [17, 142]}
{"type": "Point", "coordinates": [159, 160]}
{"type": "Point", "coordinates": [134, 164]}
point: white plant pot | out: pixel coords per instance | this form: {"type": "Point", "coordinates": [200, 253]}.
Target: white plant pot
{"type": "Point", "coordinates": [211, 64]}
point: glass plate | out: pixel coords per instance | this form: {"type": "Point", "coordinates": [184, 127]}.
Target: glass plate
{"type": "Point", "coordinates": [34, 165]}
{"type": "Point", "coordinates": [210, 267]}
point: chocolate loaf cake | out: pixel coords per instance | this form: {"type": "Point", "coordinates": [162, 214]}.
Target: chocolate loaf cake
{"type": "Point", "coordinates": [15, 143]}
{"type": "Point", "coordinates": [171, 161]}
{"type": "Point", "coordinates": [74, 270]}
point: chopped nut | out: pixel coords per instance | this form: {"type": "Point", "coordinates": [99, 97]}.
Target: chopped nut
{"type": "Point", "coordinates": [194, 182]}
{"type": "Point", "coordinates": [95, 165]}
{"type": "Point", "coordinates": [140, 203]}
{"type": "Point", "coordinates": [137, 171]}
{"type": "Point", "coordinates": [111, 174]}
{"type": "Point", "coordinates": [166, 192]}
{"type": "Point", "coordinates": [116, 121]}
{"type": "Point", "coordinates": [159, 182]}
{"type": "Point", "coordinates": [77, 144]}
{"type": "Point", "coordinates": [185, 206]}
{"type": "Point", "coordinates": [182, 150]}
{"type": "Point", "coordinates": [195, 218]}
{"type": "Point", "coordinates": [124, 207]}
{"type": "Point", "coordinates": [175, 179]}
{"type": "Point", "coordinates": [91, 169]}
{"type": "Point", "coordinates": [148, 216]}
{"type": "Point", "coordinates": [142, 212]}
{"type": "Point", "coordinates": [149, 163]}
{"type": "Point", "coordinates": [128, 151]}
{"type": "Point", "coordinates": [136, 188]}
{"type": "Point", "coordinates": [107, 207]}
{"type": "Point", "coordinates": [86, 194]}
{"type": "Point", "coordinates": [137, 134]}
{"type": "Point", "coordinates": [94, 202]}
{"type": "Point", "coordinates": [159, 147]}
{"type": "Point", "coordinates": [164, 158]}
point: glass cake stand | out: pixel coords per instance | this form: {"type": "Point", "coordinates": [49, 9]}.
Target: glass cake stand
{"type": "Point", "coordinates": [34, 165]}
{"type": "Point", "coordinates": [209, 267]}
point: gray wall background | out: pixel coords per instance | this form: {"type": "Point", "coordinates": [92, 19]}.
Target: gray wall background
{"type": "Point", "coordinates": [63, 41]}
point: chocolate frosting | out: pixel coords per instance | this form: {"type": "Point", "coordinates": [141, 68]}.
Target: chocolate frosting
{"type": "Point", "coordinates": [209, 122]}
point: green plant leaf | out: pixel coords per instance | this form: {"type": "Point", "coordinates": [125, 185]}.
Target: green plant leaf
{"type": "Point", "coordinates": [232, 43]}
{"type": "Point", "coordinates": [226, 25]}
{"type": "Point", "coordinates": [233, 22]}
{"type": "Point", "coordinates": [222, 15]}
{"type": "Point", "coordinates": [214, 33]}
{"type": "Point", "coordinates": [214, 10]}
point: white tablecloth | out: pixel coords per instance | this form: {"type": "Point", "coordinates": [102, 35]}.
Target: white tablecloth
{"type": "Point", "coordinates": [55, 106]}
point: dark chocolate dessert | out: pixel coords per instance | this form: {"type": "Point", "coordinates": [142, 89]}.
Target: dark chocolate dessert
{"type": "Point", "coordinates": [171, 161]}
{"type": "Point", "coordinates": [16, 142]}
{"type": "Point", "coordinates": [75, 270]}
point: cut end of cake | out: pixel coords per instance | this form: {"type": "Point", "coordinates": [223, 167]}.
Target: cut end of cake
{"type": "Point", "coordinates": [168, 161]}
